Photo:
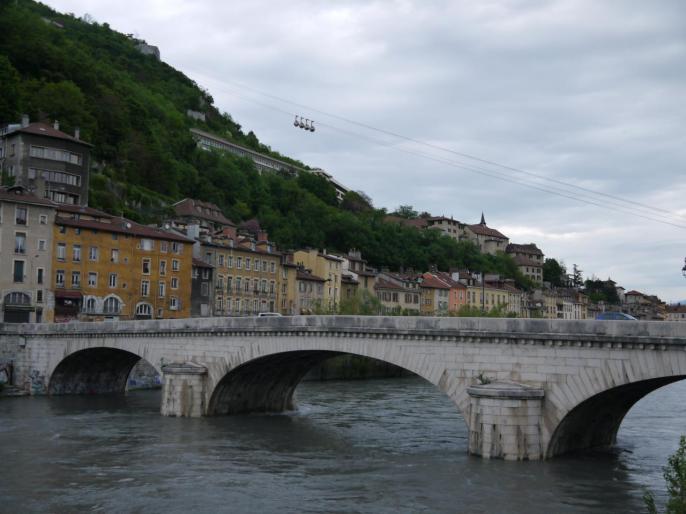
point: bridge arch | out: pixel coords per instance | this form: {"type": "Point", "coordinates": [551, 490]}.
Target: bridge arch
{"type": "Point", "coordinates": [594, 422]}
{"type": "Point", "coordinates": [97, 370]}
{"type": "Point", "coordinates": [267, 383]}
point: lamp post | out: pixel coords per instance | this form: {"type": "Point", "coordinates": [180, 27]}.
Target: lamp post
{"type": "Point", "coordinates": [683, 270]}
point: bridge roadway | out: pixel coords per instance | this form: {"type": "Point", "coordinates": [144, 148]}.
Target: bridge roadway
{"type": "Point", "coordinates": [527, 388]}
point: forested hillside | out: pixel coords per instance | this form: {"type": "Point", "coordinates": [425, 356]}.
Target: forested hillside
{"type": "Point", "coordinates": [132, 107]}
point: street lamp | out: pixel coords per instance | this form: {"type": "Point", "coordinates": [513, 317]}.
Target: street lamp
{"type": "Point", "coordinates": [683, 270]}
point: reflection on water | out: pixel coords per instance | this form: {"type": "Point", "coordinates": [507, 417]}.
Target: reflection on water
{"type": "Point", "coordinates": [368, 446]}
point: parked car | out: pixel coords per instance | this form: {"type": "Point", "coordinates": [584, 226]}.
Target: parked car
{"type": "Point", "coordinates": [615, 316]}
{"type": "Point", "coordinates": [268, 314]}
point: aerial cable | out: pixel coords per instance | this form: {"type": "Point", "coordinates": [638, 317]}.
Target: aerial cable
{"type": "Point", "coordinates": [461, 154]}
{"type": "Point", "coordinates": [482, 171]}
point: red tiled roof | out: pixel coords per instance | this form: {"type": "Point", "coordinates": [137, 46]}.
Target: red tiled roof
{"type": "Point", "coordinates": [676, 308]}
{"type": "Point", "coordinates": [199, 263]}
{"type": "Point", "coordinates": [433, 282]}
{"type": "Point", "coordinates": [634, 293]}
{"type": "Point", "coordinates": [43, 129]}
{"type": "Point", "coordinates": [445, 277]}
{"type": "Point", "coordinates": [530, 248]}
{"type": "Point", "coordinates": [203, 210]}
{"type": "Point", "coordinates": [124, 226]}
{"type": "Point", "coordinates": [21, 195]}
{"type": "Point", "coordinates": [80, 209]}
{"type": "Point", "coordinates": [484, 230]}
{"type": "Point", "coordinates": [386, 284]}
{"type": "Point", "coordinates": [304, 275]}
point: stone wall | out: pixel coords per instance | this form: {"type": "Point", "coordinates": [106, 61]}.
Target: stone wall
{"type": "Point", "coordinates": [8, 355]}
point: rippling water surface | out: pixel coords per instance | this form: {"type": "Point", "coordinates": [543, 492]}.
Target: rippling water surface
{"type": "Point", "coordinates": [378, 446]}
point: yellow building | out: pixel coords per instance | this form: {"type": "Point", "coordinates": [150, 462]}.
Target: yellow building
{"type": "Point", "coordinates": [327, 266]}
{"type": "Point", "coordinates": [246, 275]}
{"type": "Point", "coordinates": [107, 267]}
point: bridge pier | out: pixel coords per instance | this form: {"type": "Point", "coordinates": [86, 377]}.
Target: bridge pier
{"type": "Point", "coordinates": [183, 390]}
{"type": "Point", "coordinates": [505, 421]}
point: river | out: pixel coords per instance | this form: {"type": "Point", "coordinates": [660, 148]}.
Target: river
{"type": "Point", "coordinates": [372, 446]}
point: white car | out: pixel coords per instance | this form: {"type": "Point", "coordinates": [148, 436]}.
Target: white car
{"type": "Point", "coordinates": [268, 314]}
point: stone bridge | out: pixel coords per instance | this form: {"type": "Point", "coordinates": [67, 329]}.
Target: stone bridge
{"type": "Point", "coordinates": [527, 389]}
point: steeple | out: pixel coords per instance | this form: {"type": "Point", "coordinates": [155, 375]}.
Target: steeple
{"type": "Point", "coordinates": [483, 220]}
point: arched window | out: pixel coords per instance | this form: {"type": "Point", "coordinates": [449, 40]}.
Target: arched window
{"type": "Point", "coordinates": [112, 305]}
{"type": "Point", "coordinates": [89, 306]}
{"type": "Point", "coordinates": [17, 298]}
{"type": "Point", "coordinates": [144, 310]}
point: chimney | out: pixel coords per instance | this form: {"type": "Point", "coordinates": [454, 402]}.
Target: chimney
{"type": "Point", "coordinates": [56, 125]}
{"type": "Point", "coordinates": [24, 120]}
{"type": "Point", "coordinates": [77, 133]}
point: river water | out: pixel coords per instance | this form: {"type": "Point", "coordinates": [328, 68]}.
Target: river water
{"type": "Point", "coordinates": [374, 446]}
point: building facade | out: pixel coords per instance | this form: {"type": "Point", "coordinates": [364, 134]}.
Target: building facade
{"type": "Point", "coordinates": [26, 226]}
{"type": "Point", "coordinates": [202, 297]}
{"type": "Point", "coordinates": [327, 266]}
{"type": "Point", "coordinates": [46, 161]}
{"type": "Point", "coordinates": [106, 267]}
{"type": "Point", "coordinates": [529, 260]}
{"type": "Point", "coordinates": [489, 240]}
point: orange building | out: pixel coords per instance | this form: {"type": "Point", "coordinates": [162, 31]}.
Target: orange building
{"type": "Point", "coordinates": [107, 267]}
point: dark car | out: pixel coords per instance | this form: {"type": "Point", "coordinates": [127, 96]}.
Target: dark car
{"type": "Point", "coordinates": [616, 316]}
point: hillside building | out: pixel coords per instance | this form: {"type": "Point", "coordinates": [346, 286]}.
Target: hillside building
{"type": "Point", "coordinates": [46, 161]}
{"type": "Point", "coordinates": [529, 260]}
{"type": "Point", "coordinates": [489, 240]}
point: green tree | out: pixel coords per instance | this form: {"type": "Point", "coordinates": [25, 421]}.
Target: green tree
{"type": "Point", "coordinates": [406, 211]}
{"type": "Point", "coordinates": [363, 304]}
{"type": "Point", "coordinates": [10, 87]}
{"type": "Point", "coordinates": [554, 272]}
{"type": "Point", "coordinates": [675, 476]}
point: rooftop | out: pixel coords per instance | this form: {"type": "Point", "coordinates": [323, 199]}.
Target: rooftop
{"type": "Point", "coordinates": [43, 129]}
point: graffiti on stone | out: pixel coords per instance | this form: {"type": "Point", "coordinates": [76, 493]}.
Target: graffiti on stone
{"type": "Point", "coordinates": [36, 382]}
{"type": "Point", "coordinates": [5, 372]}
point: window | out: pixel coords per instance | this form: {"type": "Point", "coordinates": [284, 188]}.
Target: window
{"type": "Point", "coordinates": [146, 245]}
{"type": "Point", "coordinates": [115, 236]}
{"type": "Point", "coordinates": [39, 297]}
{"type": "Point", "coordinates": [93, 253]}
{"type": "Point", "coordinates": [247, 263]}
{"type": "Point", "coordinates": [75, 279]}
{"type": "Point", "coordinates": [76, 253]}
{"type": "Point", "coordinates": [112, 305]}
{"type": "Point", "coordinates": [163, 267]}
{"type": "Point", "coordinates": [175, 265]}
{"type": "Point", "coordinates": [161, 289]}
{"type": "Point", "coordinates": [204, 289]}
{"type": "Point", "coordinates": [239, 262]}
{"type": "Point", "coordinates": [174, 283]}
{"type": "Point", "coordinates": [145, 287]}
{"type": "Point", "coordinates": [20, 215]}
{"type": "Point", "coordinates": [238, 284]}
{"type": "Point", "coordinates": [264, 286]}
{"type": "Point", "coordinates": [264, 266]}
{"type": "Point", "coordinates": [112, 281]}
{"type": "Point", "coordinates": [114, 255]}
{"type": "Point", "coordinates": [19, 242]}
{"type": "Point", "coordinates": [58, 176]}
{"type": "Point", "coordinates": [43, 219]}
{"type": "Point", "coordinates": [55, 154]}
{"type": "Point", "coordinates": [92, 279]}
{"type": "Point", "coordinates": [220, 282]}
{"type": "Point", "coordinates": [273, 267]}
{"type": "Point", "coordinates": [146, 266]}
{"type": "Point", "coordinates": [40, 274]}
{"type": "Point", "coordinates": [18, 272]}
{"type": "Point", "coordinates": [90, 304]}
{"type": "Point", "coordinates": [173, 303]}
{"type": "Point", "coordinates": [229, 261]}
{"type": "Point", "coordinates": [221, 259]}
{"type": "Point", "coordinates": [41, 245]}
{"type": "Point", "coordinates": [164, 245]}
{"type": "Point", "coordinates": [59, 278]}
{"type": "Point", "coordinates": [229, 283]}
{"type": "Point", "coordinates": [205, 274]}
{"type": "Point", "coordinates": [247, 285]}
{"type": "Point", "coordinates": [177, 247]}
{"type": "Point", "coordinates": [144, 309]}
{"type": "Point", "coordinates": [194, 273]}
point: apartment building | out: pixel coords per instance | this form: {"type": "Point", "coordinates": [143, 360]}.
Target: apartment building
{"type": "Point", "coordinates": [26, 226]}
{"type": "Point", "coordinates": [107, 267]}
{"type": "Point", "coordinates": [46, 161]}
{"type": "Point", "coordinates": [529, 260]}
{"type": "Point", "coordinates": [327, 266]}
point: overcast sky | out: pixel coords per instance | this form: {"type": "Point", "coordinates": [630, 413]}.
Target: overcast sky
{"type": "Point", "coordinates": [591, 93]}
